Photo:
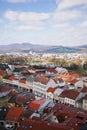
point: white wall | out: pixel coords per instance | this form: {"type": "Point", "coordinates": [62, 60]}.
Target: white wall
{"type": "Point", "coordinates": [69, 101]}
{"type": "Point", "coordinates": [51, 83]}
{"type": "Point", "coordinates": [79, 84]}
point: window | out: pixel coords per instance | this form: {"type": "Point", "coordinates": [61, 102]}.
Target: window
{"type": "Point", "coordinates": [85, 106]}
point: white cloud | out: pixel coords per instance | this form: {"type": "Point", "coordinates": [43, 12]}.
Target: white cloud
{"type": "Point", "coordinates": [23, 27]}
{"type": "Point", "coordinates": [63, 27]}
{"type": "Point", "coordinates": [26, 16]}
{"type": "Point", "coordinates": [57, 1]}
{"type": "Point", "coordinates": [65, 4]}
{"type": "Point", "coordinates": [66, 37]}
{"type": "Point", "coordinates": [27, 27]}
{"type": "Point", "coordinates": [63, 13]}
{"type": "Point", "coordinates": [83, 24]}
{"type": "Point", "coordinates": [20, 1]}
{"type": "Point", "coordinates": [71, 36]}
{"type": "Point", "coordinates": [67, 15]}
{"type": "Point", "coordinates": [60, 26]}
{"type": "Point", "coordinates": [62, 34]}
{"type": "Point", "coordinates": [33, 16]}
{"type": "Point", "coordinates": [27, 20]}
{"type": "Point", "coordinates": [11, 15]}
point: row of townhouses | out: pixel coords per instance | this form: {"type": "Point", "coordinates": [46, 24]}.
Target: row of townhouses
{"type": "Point", "coordinates": [52, 83]}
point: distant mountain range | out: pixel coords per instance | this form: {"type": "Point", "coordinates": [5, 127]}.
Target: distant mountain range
{"type": "Point", "coordinates": [27, 47]}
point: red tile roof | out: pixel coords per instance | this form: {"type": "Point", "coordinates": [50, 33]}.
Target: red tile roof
{"type": "Point", "coordinates": [36, 104]}
{"type": "Point", "coordinates": [14, 114]}
{"type": "Point", "coordinates": [74, 81]}
{"type": "Point", "coordinates": [21, 100]}
{"type": "Point", "coordinates": [51, 70]}
{"type": "Point", "coordinates": [56, 79]}
{"type": "Point", "coordinates": [84, 90]}
{"type": "Point", "coordinates": [37, 124]}
{"type": "Point", "coordinates": [22, 81]}
{"type": "Point", "coordinates": [11, 77]}
{"type": "Point", "coordinates": [85, 97]}
{"type": "Point", "coordinates": [68, 77]}
{"type": "Point", "coordinates": [5, 89]}
{"type": "Point", "coordinates": [52, 90]}
{"type": "Point", "coordinates": [2, 72]}
{"type": "Point", "coordinates": [42, 79]}
{"type": "Point", "coordinates": [13, 93]}
{"type": "Point", "coordinates": [72, 94]}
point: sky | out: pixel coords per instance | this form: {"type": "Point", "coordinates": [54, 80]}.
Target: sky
{"type": "Point", "coordinates": [47, 22]}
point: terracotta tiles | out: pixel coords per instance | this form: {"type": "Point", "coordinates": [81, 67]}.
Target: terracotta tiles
{"type": "Point", "coordinates": [5, 89]}
{"type": "Point", "coordinates": [85, 97]}
{"type": "Point", "coordinates": [42, 79]}
{"type": "Point", "coordinates": [51, 70]}
{"type": "Point", "coordinates": [2, 72]}
{"type": "Point", "coordinates": [72, 94]}
{"type": "Point", "coordinates": [84, 90]}
{"type": "Point", "coordinates": [22, 81]}
{"type": "Point", "coordinates": [36, 104]}
{"type": "Point", "coordinates": [11, 77]}
{"type": "Point", "coordinates": [14, 114]}
{"type": "Point", "coordinates": [52, 90]}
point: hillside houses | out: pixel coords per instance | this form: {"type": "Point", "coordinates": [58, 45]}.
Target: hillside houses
{"type": "Point", "coordinates": [59, 86]}
{"type": "Point", "coordinates": [53, 93]}
{"type": "Point", "coordinates": [84, 104]}
{"type": "Point", "coordinates": [13, 116]}
{"type": "Point", "coordinates": [41, 84]}
{"type": "Point", "coordinates": [69, 97]}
